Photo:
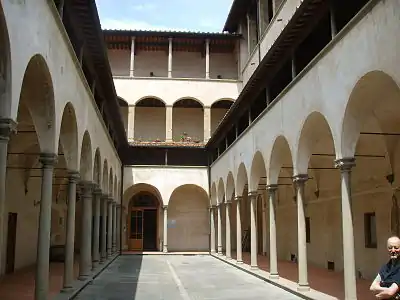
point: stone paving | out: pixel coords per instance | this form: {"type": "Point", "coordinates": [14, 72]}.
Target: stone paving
{"type": "Point", "coordinates": [178, 277]}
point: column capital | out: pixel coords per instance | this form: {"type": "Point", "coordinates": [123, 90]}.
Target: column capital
{"type": "Point", "coordinates": [104, 196]}
{"type": "Point", "coordinates": [170, 39]}
{"type": "Point", "coordinates": [97, 190]}
{"type": "Point", "coordinates": [110, 199]}
{"type": "Point", "coordinates": [238, 198]}
{"type": "Point", "coordinates": [48, 159]}
{"type": "Point", "coordinates": [7, 127]}
{"type": "Point", "coordinates": [212, 206]}
{"type": "Point", "coordinates": [253, 194]}
{"type": "Point", "coordinates": [87, 187]}
{"type": "Point", "coordinates": [165, 207]}
{"type": "Point", "coordinates": [73, 176]}
{"type": "Point", "coordinates": [228, 202]}
{"type": "Point", "coordinates": [300, 178]}
{"type": "Point", "coordinates": [345, 164]}
{"type": "Point", "coordinates": [271, 187]}
{"type": "Point", "coordinates": [206, 107]}
{"type": "Point", "coordinates": [114, 203]}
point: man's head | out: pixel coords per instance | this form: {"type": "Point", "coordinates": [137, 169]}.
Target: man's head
{"type": "Point", "coordinates": [393, 246]}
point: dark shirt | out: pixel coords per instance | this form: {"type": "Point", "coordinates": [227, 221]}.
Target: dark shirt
{"type": "Point", "coordinates": [390, 273]}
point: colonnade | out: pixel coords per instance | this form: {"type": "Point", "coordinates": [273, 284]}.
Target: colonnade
{"type": "Point", "coordinates": [345, 166]}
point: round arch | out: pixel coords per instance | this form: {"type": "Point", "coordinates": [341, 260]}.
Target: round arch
{"type": "Point", "coordinates": [188, 102]}
{"type": "Point", "coordinates": [69, 137]}
{"type": "Point", "coordinates": [37, 95]}
{"type": "Point", "coordinates": [221, 191]}
{"type": "Point", "coordinates": [146, 101]}
{"type": "Point", "coordinates": [241, 180]}
{"type": "Point", "coordinates": [105, 177]}
{"type": "Point", "coordinates": [97, 168]}
{"type": "Point", "coordinates": [230, 185]}
{"type": "Point", "coordinates": [150, 119]}
{"type": "Point", "coordinates": [5, 67]}
{"type": "Point", "coordinates": [213, 194]}
{"type": "Point", "coordinates": [110, 183]}
{"type": "Point", "coordinates": [280, 155]}
{"type": "Point", "coordinates": [188, 120]}
{"type": "Point", "coordinates": [188, 219]}
{"type": "Point", "coordinates": [219, 109]}
{"type": "Point", "coordinates": [86, 161]}
{"type": "Point", "coordinates": [257, 171]}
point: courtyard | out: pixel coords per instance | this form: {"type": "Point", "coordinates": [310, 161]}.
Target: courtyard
{"type": "Point", "coordinates": [173, 277]}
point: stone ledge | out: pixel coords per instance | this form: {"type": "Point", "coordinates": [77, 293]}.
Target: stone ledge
{"type": "Point", "coordinates": [282, 283]}
{"type": "Point", "coordinates": [78, 285]}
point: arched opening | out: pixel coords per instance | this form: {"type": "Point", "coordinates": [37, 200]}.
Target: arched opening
{"type": "Point", "coordinates": [188, 121]}
{"type": "Point", "coordinates": [218, 111]}
{"type": "Point", "coordinates": [124, 109]}
{"type": "Point", "coordinates": [150, 120]}
{"type": "Point", "coordinates": [5, 68]}
{"type": "Point", "coordinates": [188, 226]}
{"type": "Point", "coordinates": [143, 222]}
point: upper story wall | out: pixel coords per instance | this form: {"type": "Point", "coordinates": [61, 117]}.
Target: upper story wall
{"type": "Point", "coordinates": [177, 55]}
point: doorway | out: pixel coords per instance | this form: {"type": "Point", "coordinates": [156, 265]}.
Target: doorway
{"type": "Point", "coordinates": [143, 222]}
{"type": "Point", "coordinates": [11, 241]}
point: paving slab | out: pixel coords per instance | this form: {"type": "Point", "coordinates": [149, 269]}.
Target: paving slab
{"type": "Point", "coordinates": [178, 277]}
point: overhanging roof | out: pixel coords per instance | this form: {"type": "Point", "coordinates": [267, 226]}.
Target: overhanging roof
{"type": "Point", "coordinates": [238, 10]}
{"type": "Point", "coordinates": [304, 19]}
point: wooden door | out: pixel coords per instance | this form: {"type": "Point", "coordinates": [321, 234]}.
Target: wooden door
{"type": "Point", "coordinates": [11, 240]}
{"type": "Point", "coordinates": [136, 230]}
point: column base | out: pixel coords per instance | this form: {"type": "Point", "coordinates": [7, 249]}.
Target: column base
{"type": "Point", "coordinates": [95, 264]}
{"type": "Point", "coordinates": [213, 252]}
{"type": "Point", "coordinates": [83, 277]}
{"type": "Point", "coordinates": [303, 287]}
{"type": "Point", "coordinates": [254, 268]}
{"type": "Point", "coordinates": [67, 289]}
{"type": "Point", "coordinates": [274, 276]}
{"type": "Point", "coordinates": [239, 262]}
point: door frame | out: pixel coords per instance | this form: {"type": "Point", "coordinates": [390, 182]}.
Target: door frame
{"type": "Point", "coordinates": [141, 208]}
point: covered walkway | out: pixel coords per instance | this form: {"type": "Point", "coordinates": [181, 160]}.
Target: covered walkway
{"type": "Point", "coordinates": [327, 282]}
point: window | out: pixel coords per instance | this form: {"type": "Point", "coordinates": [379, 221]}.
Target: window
{"type": "Point", "coordinates": [308, 230]}
{"type": "Point", "coordinates": [370, 230]}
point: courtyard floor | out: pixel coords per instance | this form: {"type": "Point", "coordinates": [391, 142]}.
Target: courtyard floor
{"type": "Point", "coordinates": [174, 277]}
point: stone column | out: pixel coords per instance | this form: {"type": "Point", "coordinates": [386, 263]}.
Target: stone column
{"type": "Point", "coordinates": [131, 123]}
{"type": "Point", "coordinates": [73, 177]}
{"type": "Point", "coordinates": [168, 123]}
{"type": "Point", "coordinates": [7, 126]}
{"type": "Point", "coordinates": [96, 227]}
{"type": "Point", "coordinates": [207, 123]}
{"type": "Point", "coordinates": [228, 229]}
{"type": "Point", "coordinates": [273, 257]}
{"type": "Point", "coordinates": [119, 228]}
{"type": "Point", "coordinates": [219, 229]}
{"type": "Point", "coordinates": [207, 58]}
{"type": "Point", "coordinates": [264, 223]}
{"type": "Point", "coordinates": [165, 233]}
{"type": "Point", "coordinates": [48, 160]}
{"type": "Point", "coordinates": [104, 200]}
{"type": "Point", "coordinates": [253, 230]}
{"type": "Point", "coordinates": [109, 226]}
{"type": "Point", "coordinates": [114, 227]}
{"type": "Point", "coordinates": [300, 181]}
{"type": "Point", "coordinates": [132, 62]}
{"type": "Point", "coordinates": [239, 258]}
{"type": "Point", "coordinates": [85, 264]}
{"type": "Point", "coordinates": [212, 229]}
{"type": "Point", "coordinates": [345, 165]}
{"type": "Point", "coordinates": [169, 57]}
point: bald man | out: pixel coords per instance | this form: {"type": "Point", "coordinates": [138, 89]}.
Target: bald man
{"type": "Point", "coordinates": [387, 282]}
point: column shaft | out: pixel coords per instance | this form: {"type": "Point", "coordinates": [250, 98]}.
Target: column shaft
{"type": "Point", "coordinates": [48, 161]}
{"type": "Point", "coordinates": [70, 234]}
{"type": "Point", "coordinates": [212, 230]}
{"type": "Point", "coordinates": [132, 62]}
{"type": "Point", "coordinates": [131, 123]}
{"type": "Point", "coordinates": [264, 224]}
{"type": "Point", "coordinates": [109, 227]}
{"type": "Point", "coordinates": [170, 58]}
{"type": "Point", "coordinates": [119, 228]}
{"type": "Point", "coordinates": [6, 128]}
{"type": "Point", "coordinates": [239, 258]}
{"type": "Point", "coordinates": [114, 227]}
{"type": "Point", "coordinates": [165, 234]}
{"type": "Point", "coordinates": [301, 232]}
{"type": "Point", "coordinates": [207, 59]}
{"type": "Point", "coordinates": [350, 289]}
{"type": "Point", "coordinates": [228, 230]}
{"type": "Point", "coordinates": [85, 264]}
{"type": "Point", "coordinates": [96, 228]}
{"type": "Point", "coordinates": [103, 257]}
{"type": "Point", "coordinates": [207, 123]}
{"type": "Point", "coordinates": [273, 257]}
{"type": "Point", "coordinates": [168, 125]}
{"type": "Point", "coordinates": [253, 230]}
{"type": "Point", "coordinates": [219, 229]}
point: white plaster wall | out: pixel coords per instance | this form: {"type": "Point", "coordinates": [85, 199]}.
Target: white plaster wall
{"type": "Point", "coordinates": [189, 120]}
{"type": "Point", "coordinates": [151, 61]}
{"type": "Point", "coordinates": [188, 208]}
{"type": "Point", "coordinates": [119, 61]}
{"type": "Point", "coordinates": [48, 39]}
{"type": "Point", "coordinates": [224, 64]}
{"type": "Point", "coordinates": [150, 123]}
{"type": "Point", "coordinates": [165, 179]}
{"type": "Point", "coordinates": [170, 90]}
